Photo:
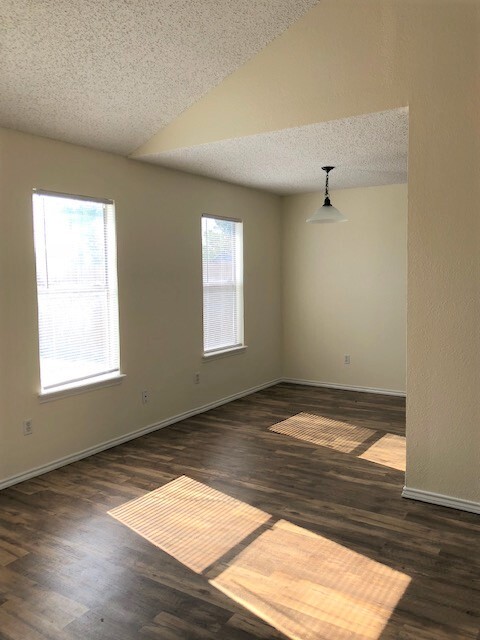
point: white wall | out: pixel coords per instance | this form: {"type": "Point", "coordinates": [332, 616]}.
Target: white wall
{"type": "Point", "coordinates": [160, 295]}
{"type": "Point", "coordinates": [345, 289]}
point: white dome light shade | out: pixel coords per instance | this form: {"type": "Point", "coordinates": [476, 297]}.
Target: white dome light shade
{"type": "Point", "coordinates": [327, 213]}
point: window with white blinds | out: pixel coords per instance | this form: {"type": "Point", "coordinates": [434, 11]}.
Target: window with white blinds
{"type": "Point", "coordinates": [75, 251]}
{"type": "Point", "coordinates": [222, 260]}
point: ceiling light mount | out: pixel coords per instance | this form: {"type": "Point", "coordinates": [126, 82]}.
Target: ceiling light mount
{"type": "Point", "coordinates": [327, 213]}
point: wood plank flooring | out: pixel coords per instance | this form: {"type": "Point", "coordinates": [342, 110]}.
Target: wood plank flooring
{"type": "Point", "coordinates": [276, 516]}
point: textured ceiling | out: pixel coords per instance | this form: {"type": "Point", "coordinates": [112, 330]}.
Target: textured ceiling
{"type": "Point", "coordinates": [368, 150]}
{"type": "Point", "coordinates": [110, 73]}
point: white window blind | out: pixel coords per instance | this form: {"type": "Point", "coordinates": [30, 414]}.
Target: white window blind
{"type": "Point", "coordinates": [75, 250]}
{"type": "Point", "coordinates": [222, 259]}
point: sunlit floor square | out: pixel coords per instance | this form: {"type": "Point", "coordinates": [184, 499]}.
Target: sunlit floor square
{"type": "Point", "coordinates": [309, 587]}
{"type": "Point", "coordinates": [326, 432]}
{"type": "Point", "coordinates": [389, 451]}
{"type": "Point", "coordinates": [190, 521]}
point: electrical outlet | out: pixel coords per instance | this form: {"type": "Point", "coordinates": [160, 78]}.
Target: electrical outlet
{"type": "Point", "coordinates": [145, 396]}
{"type": "Point", "coordinates": [346, 359]}
{"type": "Point", "coordinates": [196, 377]}
{"type": "Point", "coordinates": [27, 427]}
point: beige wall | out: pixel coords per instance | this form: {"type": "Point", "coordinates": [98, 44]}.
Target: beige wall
{"type": "Point", "coordinates": [344, 58]}
{"type": "Point", "coordinates": [159, 257]}
{"type": "Point", "coordinates": [3, 317]}
{"type": "Point", "coordinates": [345, 289]}
{"type": "Point", "coordinates": [347, 57]}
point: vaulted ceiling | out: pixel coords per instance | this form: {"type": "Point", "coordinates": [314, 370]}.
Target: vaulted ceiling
{"type": "Point", "coordinates": [151, 79]}
{"type": "Point", "coordinates": [110, 73]}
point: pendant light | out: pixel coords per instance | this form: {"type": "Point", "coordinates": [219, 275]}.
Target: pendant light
{"type": "Point", "coordinates": [327, 213]}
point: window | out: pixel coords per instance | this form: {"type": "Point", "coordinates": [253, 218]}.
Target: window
{"type": "Point", "coordinates": [75, 251]}
{"type": "Point", "coordinates": [222, 259]}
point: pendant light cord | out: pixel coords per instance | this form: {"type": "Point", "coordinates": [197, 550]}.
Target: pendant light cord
{"type": "Point", "coordinates": [327, 199]}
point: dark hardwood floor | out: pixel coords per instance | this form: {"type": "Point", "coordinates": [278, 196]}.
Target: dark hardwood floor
{"type": "Point", "coordinates": [247, 532]}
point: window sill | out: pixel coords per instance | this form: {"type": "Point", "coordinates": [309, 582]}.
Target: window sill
{"type": "Point", "coordinates": [75, 389]}
{"type": "Point", "coordinates": [224, 353]}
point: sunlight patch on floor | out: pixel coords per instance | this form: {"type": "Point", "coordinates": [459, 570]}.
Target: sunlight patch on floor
{"type": "Point", "coordinates": [309, 587]}
{"type": "Point", "coordinates": [389, 451]}
{"type": "Point", "coordinates": [326, 432]}
{"type": "Point", "coordinates": [303, 584]}
{"type": "Point", "coordinates": [190, 521]}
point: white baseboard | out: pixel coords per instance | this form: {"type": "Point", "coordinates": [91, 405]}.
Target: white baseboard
{"type": "Point", "coordinates": [85, 453]}
{"type": "Point", "coordinates": [413, 494]}
{"type": "Point", "coordinates": [443, 501]}
{"type": "Point", "coordinates": [344, 387]}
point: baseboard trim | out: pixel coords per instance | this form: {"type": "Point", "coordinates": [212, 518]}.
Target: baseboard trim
{"type": "Point", "coordinates": [441, 500]}
{"type": "Point", "coordinates": [409, 493]}
{"type": "Point", "coordinates": [344, 387]}
{"type": "Point", "coordinates": [85, 453]}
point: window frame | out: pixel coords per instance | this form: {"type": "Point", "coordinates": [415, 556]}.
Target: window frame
{"type": "Point", "coordinates": [240, 346]}
{"type": "Point", "coordinates": [108, 378]}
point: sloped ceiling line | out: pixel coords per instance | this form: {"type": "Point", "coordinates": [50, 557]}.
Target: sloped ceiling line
{"type": "Point", "coordinates": [109, 74]}
{"type": "Point", "coordinates": [367, 150]}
